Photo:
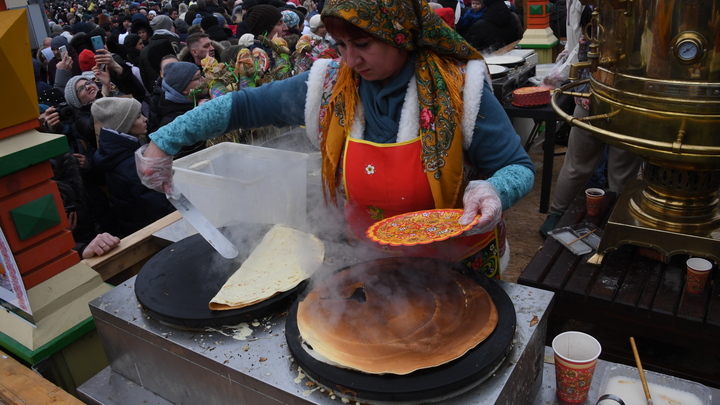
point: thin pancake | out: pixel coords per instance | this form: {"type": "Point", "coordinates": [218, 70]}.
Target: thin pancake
{"type": "Point", "coordinates": [396, 320]}
{"type": "Point", "coordinates": [283, 259]}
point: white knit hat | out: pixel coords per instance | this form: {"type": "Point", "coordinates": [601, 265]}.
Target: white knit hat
{"type": "Point", "coordinates": [315, 22]}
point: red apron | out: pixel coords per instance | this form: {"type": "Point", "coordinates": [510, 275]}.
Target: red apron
{"type": "Point", "coordinates": [384, 180]}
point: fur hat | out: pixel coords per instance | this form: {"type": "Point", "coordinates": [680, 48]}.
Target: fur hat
{"type": "Point", "coordinates": [117, 113]}
{"type": "Point", "coordinates": [179, 74]}
{"type": "Point", "coordinates": [262, 18]}
{"type": "Point", "coordinates": [161, 22]}
{"type": "Point", "coordinates": [315, 22]}
{"type": "Point", "coordinates": [70, 93]}
{"type": "Point", "coordinates": [290, 18]}
{"type": "Point", "coordinates": [86, 60]}
{"type": "Point", "coordinates": [141, 24]}
{"type": "Point", "coordinates": [208, 21]}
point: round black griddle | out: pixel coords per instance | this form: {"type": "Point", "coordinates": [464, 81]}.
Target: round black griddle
{"type": "Point", "coordinates": [176, 285]}
{"type": "Point", "coordinates": [433, 383]}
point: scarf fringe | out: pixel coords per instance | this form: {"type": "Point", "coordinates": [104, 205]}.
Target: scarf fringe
{"type": "Point", "coordinates": [346, 97]}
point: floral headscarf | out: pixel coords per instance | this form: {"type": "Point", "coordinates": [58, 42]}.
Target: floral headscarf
{"type": "Point", "coordinates": [440, 51]}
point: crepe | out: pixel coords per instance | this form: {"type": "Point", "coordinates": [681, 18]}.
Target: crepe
{"type": "Point", "coordinates": [395, 319]}
{"type": "Point", "coordinates": [283, 259]}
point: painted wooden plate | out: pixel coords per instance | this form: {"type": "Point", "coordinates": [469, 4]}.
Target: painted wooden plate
{"type": "Point", "coordinates": [419, 228]}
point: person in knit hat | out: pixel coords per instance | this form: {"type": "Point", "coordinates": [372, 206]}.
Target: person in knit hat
{"type": "Point", "coordinates": [162, 22]}
{"type": "Point", "coordinates": [183, 88]}
{"type": "Point", "coordinates": [180, 79]}
{"type": "Point", "coordinates": [73, 62]}
{"type": "Point", "coordinates": [86, 60]}
{"type": "Point", "coordinates": [291, 19]}
{"type": "Point", "coordinates": [120, 114]}
{"type": "Point", "coordinates": [80, 91]}
{"type": "Point", "coordinates": [122, 126]}
{"type": "Point", "coordinates": [265, 20]}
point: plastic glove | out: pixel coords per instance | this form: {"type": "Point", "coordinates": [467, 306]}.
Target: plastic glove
{"type": "Point", "coordinates": [481, 197]}
{"type": "Point", "coordinates": [155, 168]}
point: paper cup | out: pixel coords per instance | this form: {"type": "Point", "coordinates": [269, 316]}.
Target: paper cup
{"type": "Point", "coordinates": [698, 271]}
{"type": "Point", "coordinates": [593, 200]}
{"type": "Point", "coordinates": [576, 355]}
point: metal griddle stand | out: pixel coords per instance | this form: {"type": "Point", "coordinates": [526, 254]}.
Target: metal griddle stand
{"type": "Point", "coordinates": [151, 363]}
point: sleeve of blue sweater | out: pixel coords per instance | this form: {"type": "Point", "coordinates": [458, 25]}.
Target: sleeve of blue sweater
{"type": "Point", "coordinates": [280, 103]}
{"type": "Point", "coordinates": [496, 151]}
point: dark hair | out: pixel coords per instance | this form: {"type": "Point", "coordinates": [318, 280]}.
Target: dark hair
{"type": "Point", "coordinates": [131, 40]}
{"type": "Point", "coordinates": [195, 38]}
{"type": "Point", "coordinates": [337, 27]}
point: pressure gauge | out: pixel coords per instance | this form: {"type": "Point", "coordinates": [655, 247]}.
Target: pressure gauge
{"type": "Point", "coordinates": [689, 47]}
{"type": "Point", "coordinates": [687, 50]}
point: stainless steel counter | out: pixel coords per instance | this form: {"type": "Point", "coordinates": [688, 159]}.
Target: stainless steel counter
{"type": "Point", "coordinates": [250, 364]}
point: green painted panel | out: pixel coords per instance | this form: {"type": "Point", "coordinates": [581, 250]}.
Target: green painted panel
{"type": "Point", "coordinates": [33, 356]}
{"type": "Point", "coordinates": [36, 216]}
{"type": "Point", "coordinates": [536, 9]}
{"type": "Point", "coordinates": [21, 151]}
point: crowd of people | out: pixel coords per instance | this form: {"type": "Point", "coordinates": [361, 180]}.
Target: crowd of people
{"type": "Point", "coordinates": [160, 60]}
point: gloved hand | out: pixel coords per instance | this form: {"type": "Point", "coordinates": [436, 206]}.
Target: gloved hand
{"type": "Point", "coordinates": [481, 197]}
{"type": "Point", "coordinates": [154, 167]}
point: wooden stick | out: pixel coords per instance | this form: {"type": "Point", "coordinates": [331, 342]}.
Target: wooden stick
{"type": "Point", "coordinates": [640, 369]}
{"type": "Point", "coordinates": [577, 239]}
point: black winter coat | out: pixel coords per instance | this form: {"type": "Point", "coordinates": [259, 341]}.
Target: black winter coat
{"type": "Point", "coordinates": [498, 27]}
{"type": "Point", "coordinates": [217, 33]}
{"type": "Point", "coordinates": [135, 205]}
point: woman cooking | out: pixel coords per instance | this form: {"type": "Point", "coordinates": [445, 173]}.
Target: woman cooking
{"type": "Point", "coordinates": [405, 120]}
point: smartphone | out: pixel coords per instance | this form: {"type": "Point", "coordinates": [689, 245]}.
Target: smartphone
{"type": "Point", "coordinates": [63, 52]}
{"type": "Point", "coordinates": [97, 43]}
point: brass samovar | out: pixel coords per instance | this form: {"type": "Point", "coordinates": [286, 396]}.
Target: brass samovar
{"type": "Point", "coordinates": [655, 91]}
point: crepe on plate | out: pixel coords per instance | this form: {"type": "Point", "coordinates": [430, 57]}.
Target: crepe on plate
{"type": "Point", "coordinates": [283, 259]}
{"type": "Point", "coordinates": [395, 319]}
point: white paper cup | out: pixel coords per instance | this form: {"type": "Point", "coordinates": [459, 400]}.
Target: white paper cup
{"type": "Point", "coordinates": [698, 271]}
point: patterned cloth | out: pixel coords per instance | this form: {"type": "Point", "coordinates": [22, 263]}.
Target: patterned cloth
{"type": "Point", "coordinates": [438, 50]}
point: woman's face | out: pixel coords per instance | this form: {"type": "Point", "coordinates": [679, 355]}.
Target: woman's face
{"type": "Point", "coordinates": [140, 45]}
{"type": "Point", "coordinates": [280, 29]}
{"type": "Point", "coordinates": [139, 126]}
{"type": "Point", "coordinates": [86, 91]}
{"type": "Point", "coordinates": [372, 58]}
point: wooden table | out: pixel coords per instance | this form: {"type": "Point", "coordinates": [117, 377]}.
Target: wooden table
{"type": "Point", "coordinates": [630, 295]}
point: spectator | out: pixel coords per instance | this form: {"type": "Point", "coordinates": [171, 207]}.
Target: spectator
{"type": "Point", "coordinates": [163, 42]}
{"type": "Point", "coordinates": [242, 27]}
{"type": "Point", "coordinates": [89, 241]}
{"type": "Point", "coordinates": [198, 47]}
{"type": "Point", "coordinates": [210, 26]}
{"type": "Point", "coordinates": [123, 125]}
{"type": "Point", "coordinates": [134, 46]}
{"type": "Point", "coordinates": [497, 27]}
{"type": "Point", "coordinates": [183, 87]}
{"type": "Point", "coordinates": [142, 29]}
{"type": "Point", "coordinates": [471, 16]}
{"type": "Point", "coordinates": [55, 45]}
{"type": "Point", "coordinates": [265, 20]}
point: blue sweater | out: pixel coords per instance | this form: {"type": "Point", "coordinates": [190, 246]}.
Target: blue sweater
{"type": "Point", "coordinates": [495, 149]}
